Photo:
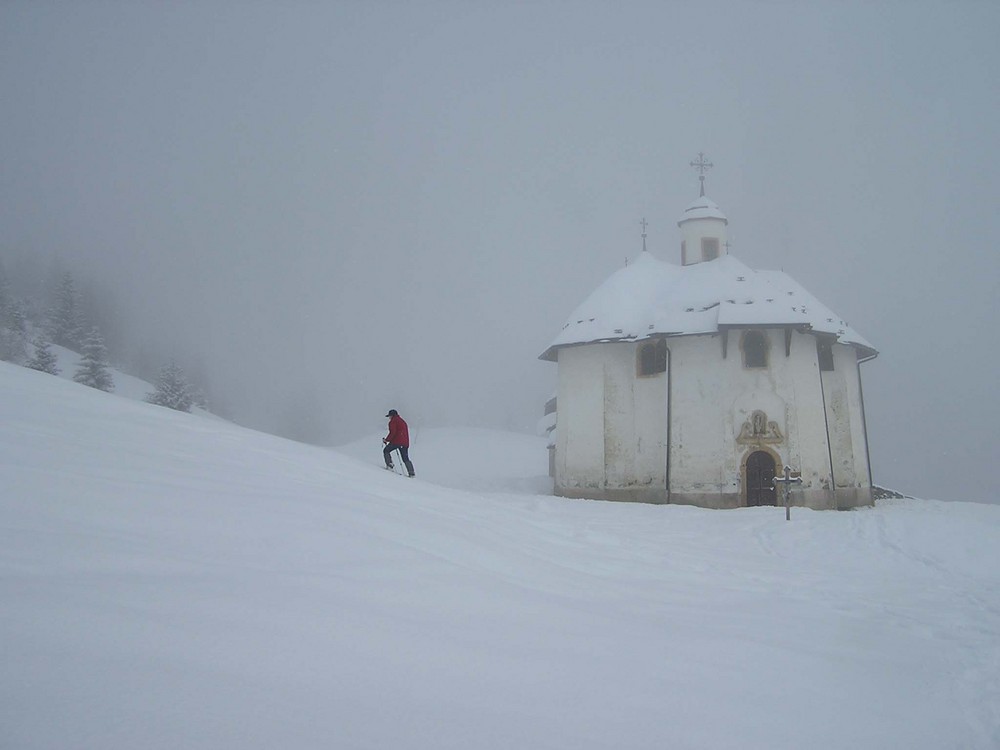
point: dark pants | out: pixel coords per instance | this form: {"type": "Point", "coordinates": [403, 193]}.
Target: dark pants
{"type": "Point", "coordinates": [404, 453]}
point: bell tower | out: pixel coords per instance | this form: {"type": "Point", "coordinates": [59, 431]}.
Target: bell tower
{"type": "Point", "coordinates": [703, 225]}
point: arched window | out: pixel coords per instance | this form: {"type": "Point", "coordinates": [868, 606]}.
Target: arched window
{"type": "Point", "coordinates": [754, 349]}
{"type": "Point", "coordinates": [653, 358]}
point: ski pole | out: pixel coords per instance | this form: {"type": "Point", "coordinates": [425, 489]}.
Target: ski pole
{"type": "Point", "coordinates": [400, 461]}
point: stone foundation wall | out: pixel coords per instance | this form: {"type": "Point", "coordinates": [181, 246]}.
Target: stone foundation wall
{"type": "Point", "coordinates": [842, 499]}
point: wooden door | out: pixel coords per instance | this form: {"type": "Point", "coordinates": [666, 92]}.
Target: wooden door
{"type": "Point", "coordinates": [760, 473]}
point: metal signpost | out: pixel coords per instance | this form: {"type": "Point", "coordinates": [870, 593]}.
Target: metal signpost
{"type": "Point", "coordinates": [788, 480]}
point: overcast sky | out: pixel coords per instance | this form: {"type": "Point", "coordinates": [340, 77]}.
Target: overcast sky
{"type": "Point", "coordinates": [347, 207]}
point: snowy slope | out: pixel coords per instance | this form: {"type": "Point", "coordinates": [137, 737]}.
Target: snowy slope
{"type": "Point", "coordinates": [127, 386]}
{"type": "Point", "coordinates": [173, 581]}
{"type": "Point", "coordinates": [474, 458]}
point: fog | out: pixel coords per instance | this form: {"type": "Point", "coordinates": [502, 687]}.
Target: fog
{"type": "Point", "coordinates": [335, 209]}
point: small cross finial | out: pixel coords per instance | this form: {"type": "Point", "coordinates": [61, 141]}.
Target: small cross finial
{"type": "Point", "coordinates": [702, 166]}
{"type": "Point", "coordinates": [643, 224]}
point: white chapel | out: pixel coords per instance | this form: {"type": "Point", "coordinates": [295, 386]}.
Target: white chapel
{"type": "Point", "coordinates": [697, 383]}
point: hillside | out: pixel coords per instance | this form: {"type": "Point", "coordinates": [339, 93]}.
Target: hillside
{"type": "Point", "coordinates": [174, 581]}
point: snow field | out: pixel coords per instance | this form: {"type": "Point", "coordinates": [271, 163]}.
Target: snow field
{"type": "Point", "coordinates": [171, 580]}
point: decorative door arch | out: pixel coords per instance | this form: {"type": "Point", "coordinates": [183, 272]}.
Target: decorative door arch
{"type": "Point", "coordinates": [759, 474]}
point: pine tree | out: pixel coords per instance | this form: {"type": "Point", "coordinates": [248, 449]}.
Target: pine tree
{"type": "Point", "coordinates": [172, 389]}
{"type": "Point", "coordinates": [13, 332]}
{"type": "Point", "coordinates": [65, 324]}
{"type": "Point", "coordinates": [5, 295]}
{"type": "Point", "coordinates": [93, 369]}
{"type": "Point", "coordinates": [44, 360]}
{"type": "Point", "coordinates": [13, 328]}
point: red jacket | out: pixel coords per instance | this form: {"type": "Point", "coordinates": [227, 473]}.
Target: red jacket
{"type": "Point", "coordinates": [399, 434]}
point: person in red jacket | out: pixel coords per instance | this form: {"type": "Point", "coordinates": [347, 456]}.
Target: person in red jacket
{"type": "Point", "coordinates": [397, 439]}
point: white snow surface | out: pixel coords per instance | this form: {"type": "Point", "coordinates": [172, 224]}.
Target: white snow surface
{"type": "Point", "coordinates": [651, 297]}
{"type": "Point", "coordinates": [173, 581]}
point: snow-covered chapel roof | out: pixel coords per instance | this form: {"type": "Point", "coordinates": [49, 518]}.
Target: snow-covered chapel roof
{"type": "Point", "coordinates": [652, 298]}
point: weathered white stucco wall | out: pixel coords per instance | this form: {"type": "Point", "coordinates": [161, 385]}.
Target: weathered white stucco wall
{"type": "Point", "coordinates": [842, 391]}
{"type": "Point", "coordinates": [580, 418]}
{"type": "Point", "coordinates": [692, 233]}
{"type": "Point", "coordinates": [613, 423]}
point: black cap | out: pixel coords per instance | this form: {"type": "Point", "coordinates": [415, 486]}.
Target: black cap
{"type": "Point", "coordinates": [392, 413]}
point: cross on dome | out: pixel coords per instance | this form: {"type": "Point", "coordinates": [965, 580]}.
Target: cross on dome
{"type": "Point", "coordinates": [702, 166]}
